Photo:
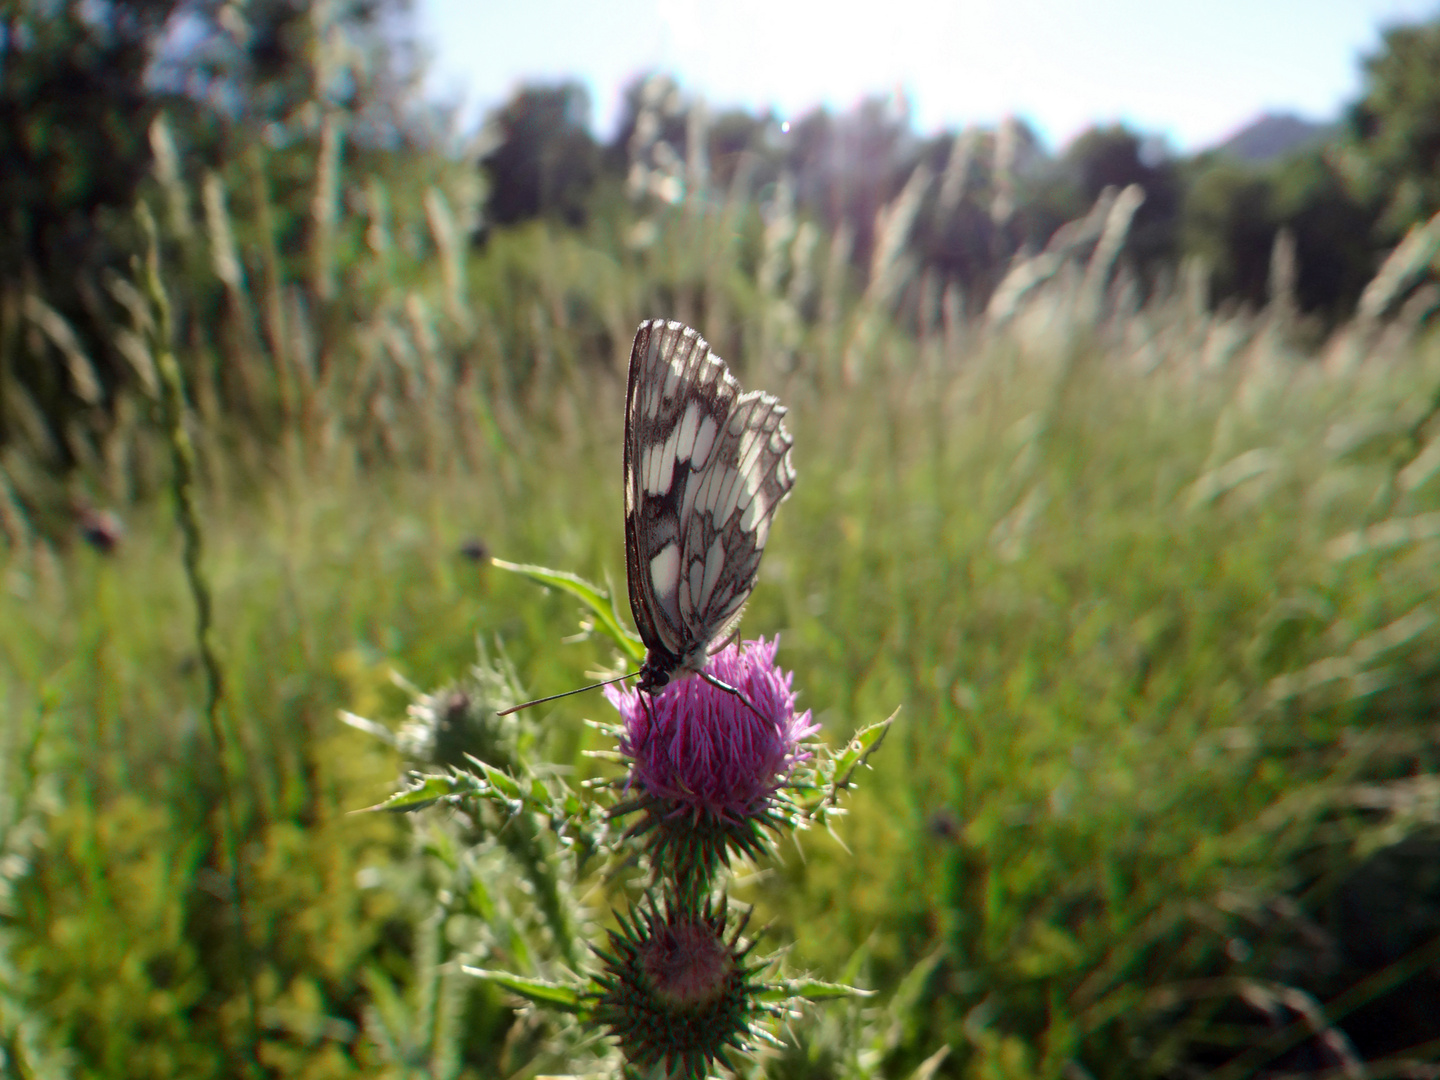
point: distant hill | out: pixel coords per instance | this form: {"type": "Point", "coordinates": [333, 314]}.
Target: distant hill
{"type": "Point", "coordinates": [1272, 136]}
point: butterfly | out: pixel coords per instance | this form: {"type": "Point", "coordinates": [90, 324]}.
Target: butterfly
{"type": "Point", "coordinates": [706, 466]}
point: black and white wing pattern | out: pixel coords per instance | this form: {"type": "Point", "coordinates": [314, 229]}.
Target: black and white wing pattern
{"type": "Point", "coordinates": [705, 467]}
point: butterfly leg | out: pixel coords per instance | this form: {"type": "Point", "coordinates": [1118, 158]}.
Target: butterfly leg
{"type": "Point", "coordinates": [731, 640]}
{"type": "Point", "coordinates": [648, 705]}
{"type": "Point", "coordinates": [720, 684]}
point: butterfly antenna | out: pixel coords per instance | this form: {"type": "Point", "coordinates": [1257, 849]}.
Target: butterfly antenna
{"type": "Point", "coordinates": [567, 693]}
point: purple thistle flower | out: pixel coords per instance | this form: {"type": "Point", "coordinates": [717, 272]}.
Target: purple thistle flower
{"type": "Point", "coordinates": [706, 769]}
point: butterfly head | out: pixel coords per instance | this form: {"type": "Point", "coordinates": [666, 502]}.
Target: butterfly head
{"type": "Point", "coordinates": [655, 673]}
{"type": "Point", "coordinates": [662, 667]}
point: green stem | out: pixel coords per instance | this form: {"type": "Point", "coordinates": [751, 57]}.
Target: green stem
{"type": "Point", "coordinates": [182, 456]}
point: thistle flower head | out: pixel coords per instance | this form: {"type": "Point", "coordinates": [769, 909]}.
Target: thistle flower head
{"type": "Point", "coordinates": [705, 766]}
{"type": "Point", "coordinates": [702, 748]}
{"type": "Point", "coordinates": [455, 723]}
{"type": "Point", "coordinates": [676, 989]}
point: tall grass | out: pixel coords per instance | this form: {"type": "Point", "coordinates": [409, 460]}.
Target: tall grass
{"type": "Point", "coordinates": [1152, 585]}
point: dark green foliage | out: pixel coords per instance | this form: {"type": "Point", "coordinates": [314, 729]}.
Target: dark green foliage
{"type": "Point", "coordinates": [1230, 223]}
{"type": "Point", "coordinates": [654, 109]}
{"type": "Point", "coordinates": [74, 111]}
{"type": "Point", "coordinates": [956, 232]}
{"type": "Point", "coordinates": [1334, 232]}
{"type": "Point", "coordinates": [1234, 212]}
{"type": "Point", "coordinates": [545, 163]}
{"type": "Point", "coordinates": [1395, 126]}
{"type": "Point", "coordinates": [1116, 157]}
{"type": "Point", "coordinates": [75, 106]}
{"type": "Point", "coordinates": [737, 143]}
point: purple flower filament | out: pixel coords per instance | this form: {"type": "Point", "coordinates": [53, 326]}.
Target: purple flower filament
{"type": "Point", "coordinates": [709, 753]}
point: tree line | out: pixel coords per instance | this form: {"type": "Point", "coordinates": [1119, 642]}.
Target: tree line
{"type": "Point", "coordinates": [269, 97]}
{"type": "Point", "coordinates": [1340, 199]}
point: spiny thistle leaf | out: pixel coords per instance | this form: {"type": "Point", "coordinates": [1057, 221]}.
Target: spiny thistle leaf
{"type": "Point", "coordinates": [426, 791]}
{"type": "Point", "coordinates": [562, 996]}
{"type": "Point", "coordinates": [856, 754]}
{"type": "Point", "coordinates": [500, 782]}
{"type": "Point", "coordinates": [811, 990]}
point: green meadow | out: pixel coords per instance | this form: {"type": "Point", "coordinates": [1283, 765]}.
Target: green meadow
{"type": "Point", "coordinates": [1151, 586]}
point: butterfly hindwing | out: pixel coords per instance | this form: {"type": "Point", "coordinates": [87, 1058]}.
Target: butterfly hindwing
{"type": "Point", "coordinates": [705, 467]}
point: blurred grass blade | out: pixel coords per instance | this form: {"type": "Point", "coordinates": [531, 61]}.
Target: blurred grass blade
{"type": "Point", "coordinates": [927, 1068]}
{"type": "Point", "coordinates": [370, 727]}
{"type": "Point", "coordinates": [1411, 258]}
{"type": "Point", "coordinates": [84, 380]}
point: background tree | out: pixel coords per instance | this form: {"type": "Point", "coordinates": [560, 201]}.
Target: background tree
{"type": "Point", "coordinates": [1233, 212]}
{"type": "Point", "coordinates": [955, 232]}
{"type": "Point", "coordinates": [1334, 231]}
{"type": "Point", "coordinates": [1395, 127]}
{"type": "Point", "coordinates": [545, 161]}
{"type": "Point", "coordinates": [737, 140]}
{"type": "Point", "coordinates": [1230, 222]}
{"type": "Point", "coordinates": [81, 82]}
{"type": "Point", "coordinates": [847, 167]}
{"type": "Point", "coordinates": [75, 105]}
{"type": "Point", "coordinates": [1115, 157]}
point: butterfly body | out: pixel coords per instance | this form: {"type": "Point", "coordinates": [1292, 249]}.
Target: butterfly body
{"type": "Point", "coordinates": [706, 464]}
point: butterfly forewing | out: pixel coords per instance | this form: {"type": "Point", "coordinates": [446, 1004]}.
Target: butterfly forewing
{"type": "Point", "coordinates": [705, 467]}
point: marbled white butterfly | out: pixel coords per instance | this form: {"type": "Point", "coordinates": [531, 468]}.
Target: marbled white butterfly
{"type": "Point", "coordinates": [705, 467]}
{"type": "Point", "coordinates": [706, 464]}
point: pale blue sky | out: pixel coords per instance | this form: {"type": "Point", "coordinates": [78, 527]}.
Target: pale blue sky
{"type": "Point", "coordinates": [1194, 72]}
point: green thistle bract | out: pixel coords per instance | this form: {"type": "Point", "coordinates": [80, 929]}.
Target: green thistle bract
{"type": "Point", "coordinates": [676, 989]}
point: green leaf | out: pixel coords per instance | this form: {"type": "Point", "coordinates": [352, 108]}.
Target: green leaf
{"type": "Point", "coordinates": [502, 783]}
{"type": "Point", "coordinates": [857, 752]}
{"type": "Point", "coordinates": [563, 996]}
{"type": "Point", "coordinates": [912, 987]}
{"type": "Point", "coordinates": [927, 1068]}
{"type": "Point", "coordinates": [811, 990]}
{"type": "Point", "coordinates": [479, 898]}
{"type": "Point", "coordinates": [442, 846]}
{"type": "Point", "coordinates": [858, 959]}
{"type": "Point", "coordinates": [599, 601]}
{"type": "Point", "coordinates": [428, 791]}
